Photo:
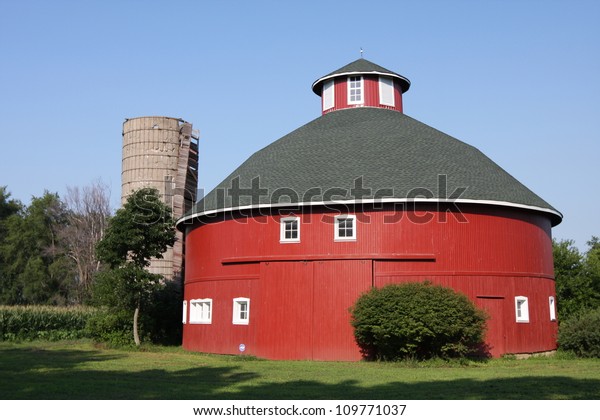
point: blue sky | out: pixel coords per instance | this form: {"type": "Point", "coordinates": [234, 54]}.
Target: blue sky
{"type": "Point", "coordinates": [516, 79]}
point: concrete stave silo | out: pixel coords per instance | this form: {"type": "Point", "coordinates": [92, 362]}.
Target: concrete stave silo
{"type": "Point", "coordinates": [162, 153]}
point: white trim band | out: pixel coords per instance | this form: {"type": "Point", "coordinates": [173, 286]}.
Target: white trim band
{"type": "Point", "coordinates": [369, 201]}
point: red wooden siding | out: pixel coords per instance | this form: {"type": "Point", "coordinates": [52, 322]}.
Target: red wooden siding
{"type": "Point", "coordinates": [300, 292]}
{"type": "Point", "coordinates": [370, 95]}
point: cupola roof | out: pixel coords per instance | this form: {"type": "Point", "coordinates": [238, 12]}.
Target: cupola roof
{"type": "Point", "coordinates": [364, 67]}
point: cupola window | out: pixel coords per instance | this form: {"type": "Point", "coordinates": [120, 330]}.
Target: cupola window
{"type": "Point", "coordinates": [328, 95]}
{"type": "Point", "coordinates": [386, 91]}
{"type": "Point", "coordinates": [355, 90]}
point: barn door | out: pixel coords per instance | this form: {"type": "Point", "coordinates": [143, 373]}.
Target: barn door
{"type": "Point", "coordinates": [496, 335]}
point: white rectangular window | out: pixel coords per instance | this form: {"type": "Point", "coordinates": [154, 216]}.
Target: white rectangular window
{"type": "Point", "coordinates": [328, 95]}
{"type": "Point", "coordinates": [241, 311]}
{"type": "Point", "coordinates": [552, 304]}
{"type": "Point", "coordinates": [289, 229]}
{"type": "Point", "coordinates": [184, 318]}
{"type": "Point", "coordinates": [522, 309]}
{"type": "Point", "coordinates": [345, 228]}
{"type": "Point", "coordinates": [355, 90]}
{"type": "Point", "coordinates": [201, 311]}
{"type": "Point", "coordinates": [386, 91]}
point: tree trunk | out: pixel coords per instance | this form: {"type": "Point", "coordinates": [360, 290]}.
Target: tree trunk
{"type": "Point", "coordinates": [136, 336]}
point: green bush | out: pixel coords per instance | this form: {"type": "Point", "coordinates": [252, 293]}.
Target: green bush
{"type": "Point", "coordinates": [111, 327]}
{"type": "Point", "coordinates": [43, 322]}
{"type": "Point", "coordinates": [159, 320]}
{"type": "Point", "coordinates": [581, 334]}
{"type": "Point", "coordinates": [417, 320]}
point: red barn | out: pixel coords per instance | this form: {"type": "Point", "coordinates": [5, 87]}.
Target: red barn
{"type": "Point", "coordinates": [361, 197]}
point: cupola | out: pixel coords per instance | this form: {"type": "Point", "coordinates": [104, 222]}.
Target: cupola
{"type": "Point", "coordinates": [361, 84]}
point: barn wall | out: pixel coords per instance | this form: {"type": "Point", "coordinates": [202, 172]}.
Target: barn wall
{"type": "Point", "coordinates": [371, 94]}
{"type": "Point", "coordinates": [300, 292]}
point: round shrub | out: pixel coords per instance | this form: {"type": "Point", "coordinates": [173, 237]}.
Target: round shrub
{"type": "Point", "coordinates": [581, 334]}
{"type": "Point", "coordinates": [417, 320]}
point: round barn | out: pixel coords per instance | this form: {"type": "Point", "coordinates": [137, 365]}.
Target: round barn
{"type": "Point", "coordinates": [361, 197]}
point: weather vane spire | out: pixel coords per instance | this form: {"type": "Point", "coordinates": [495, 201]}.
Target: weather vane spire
{"type": "Point", "coordinates": [361, 52]}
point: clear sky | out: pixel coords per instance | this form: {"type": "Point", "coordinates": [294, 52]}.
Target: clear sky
{"type": "Point", "coordinates": [519, 80]}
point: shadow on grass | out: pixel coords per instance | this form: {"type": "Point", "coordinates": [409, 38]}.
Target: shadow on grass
{"type": "Point", "coordinates": [58, 374]}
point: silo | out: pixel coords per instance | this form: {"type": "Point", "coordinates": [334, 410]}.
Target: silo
{"type": "Point", "coordinates": [162, 152]}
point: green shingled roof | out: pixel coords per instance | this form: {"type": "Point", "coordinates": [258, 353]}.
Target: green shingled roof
{"type": "Point", "coordinates": [361, 66]}
{"type": "Point", "coordinates": [384, 149]}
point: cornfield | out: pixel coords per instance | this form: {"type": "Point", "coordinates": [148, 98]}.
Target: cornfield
{"type": "Point", "coordinates": [43, 322]}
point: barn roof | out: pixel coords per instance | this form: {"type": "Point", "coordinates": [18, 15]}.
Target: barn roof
{"type": "Point", "coordinates": [391, 156]}
{"type": "Point", "coordinates": [362, 67]}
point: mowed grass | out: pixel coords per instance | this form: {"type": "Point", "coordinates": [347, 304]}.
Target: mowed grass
{"type": "Point", "coordinates": [81, 370]}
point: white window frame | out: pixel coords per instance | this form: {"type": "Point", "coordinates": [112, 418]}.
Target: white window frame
{"type": "Point", "coordinates": [328, 95]}
{"type": "Point", "coordinates": [184, 315]}
{"type": "Point", "coordinates": [552, 307]}
{"type": "Point", "coordinates": [386, 86]}
{"type": "Point", "coordinates": [336, 226]}
{"type": "Point", "coordinates": [282, 229]}
{"type": "Point", "coordinates": [237, 317]}
{"type": "Point", "coordinates": [361, 88]}
{"type": "Point", "coordinates": [201, 311]}
{"type": "Point", "coordinates": [522, 309]}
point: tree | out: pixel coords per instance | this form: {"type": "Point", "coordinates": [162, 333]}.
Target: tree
{"type": "Point", "coordinates": [8, 208]}
{"type": "Point", "coordinates": [88, 210]}
{"type": "Point", "coordinates": [577, 277]}
{"type": "Point", "coordinates": [35, 269]}
{"type": "Point", "coordinates": [141, 230]}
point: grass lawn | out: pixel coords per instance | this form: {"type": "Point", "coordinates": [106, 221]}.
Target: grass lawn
{"type": "Point", "coordinates": [81, 370]}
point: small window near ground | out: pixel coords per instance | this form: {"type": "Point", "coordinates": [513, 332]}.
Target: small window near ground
{"type": "Point", "coordinates": [201, 311]}
{"type": "Point", "coordinates": [345, 228]}
{"type": "Point", "coordinates": [355, 90]}
{"type": "Point", "coordinates": [290, 229]}
{"type": "Point", "coordinates": [328, 95]}
{"type": "Point", "coordinates": [552, 304]}
{"type": "Point", "coordinates": [241, 311]}
{"type": "Point", "coordinates": [522, 309]}
{"type": "Point", "coordinates": [184, 319]}
{"type": "Point", "coordinates": [386, 91]}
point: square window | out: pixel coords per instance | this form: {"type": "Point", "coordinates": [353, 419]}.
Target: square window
{"type": "Point", "coordinates": [241, 311]}
{"type": "Point", "coordinates": [522, 309]}
{"type": "Point", "coordinates": [201, 311]}
{"type": "Point", "coordinates": [345, 228]}
{"type": "Point", "coordinates": [289, 229]}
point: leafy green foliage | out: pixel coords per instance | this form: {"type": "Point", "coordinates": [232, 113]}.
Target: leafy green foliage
{"type": "Point", "coordinates": [581, 334]}
{"type": "Point", "coordinates": [142, 229]}
{"type": "Point", "coordinates": [110, 327]}
{"type": "Point", "coordinates": [43, 322]}
{"type": "Point", "coordinates": [577, 278]}
{"type": "Point", "coordinates": [34, 268]}
{"type": "Point", "coordinates": [417, 320]}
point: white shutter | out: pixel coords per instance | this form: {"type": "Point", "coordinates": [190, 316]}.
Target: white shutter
{"type": "Point", "coordinates": [328, 96]}
{"type": "Point", "coordinates": [386, 91]}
